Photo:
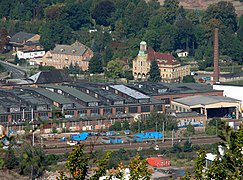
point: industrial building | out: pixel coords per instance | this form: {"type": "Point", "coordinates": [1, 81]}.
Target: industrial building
{"type": "Point", "coordinates": [211, 106]}
{"type": "Point", "coordinates": [80, 106]}
{"type": "Point", "coordinates": [167, 92]}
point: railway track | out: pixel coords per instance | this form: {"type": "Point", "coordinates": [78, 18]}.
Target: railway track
{"type": "Point", "coordinates": [113, 147]}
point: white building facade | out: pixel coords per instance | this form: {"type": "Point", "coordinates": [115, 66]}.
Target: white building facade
{"type": "Point", "coordinates": [30, 54]}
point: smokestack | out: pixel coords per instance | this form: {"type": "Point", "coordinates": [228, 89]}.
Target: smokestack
{"type": "Point", "coordinates": [216, 56]}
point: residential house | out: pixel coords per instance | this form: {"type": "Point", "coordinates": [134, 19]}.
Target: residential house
{"type": "Point", "coordinates": [23, 41]}
{"type": "Point", "coordinates": [62, 56]}
{"type": "Point", "coordinates": [181, 53]}
{"type": "Point", "coordinates": [171, 70]}
{"type": "Point", "coordinates": [32, 54]}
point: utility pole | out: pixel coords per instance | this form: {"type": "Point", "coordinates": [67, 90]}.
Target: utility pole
{"type": "Point", "coordinates": [41, 142]}
{"type": "Point", "coordinates": [172, 138]}
{"type": "Point", "coordinates": [33, 138]}
{"type": "Point", "coordinates": [163, 131]}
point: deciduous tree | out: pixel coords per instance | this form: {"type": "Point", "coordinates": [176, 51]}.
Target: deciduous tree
{"type": "Point", "coordinates": [3, 39]}
{"type": "Point", "coordinates": [114, 69]}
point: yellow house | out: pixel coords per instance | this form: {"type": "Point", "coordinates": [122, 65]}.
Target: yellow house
{"type": "Point", "coordinates": [171, 70]}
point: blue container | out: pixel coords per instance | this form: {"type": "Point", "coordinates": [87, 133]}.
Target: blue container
{"type": "Point", "coordinates": [80, 137]}
{"type": "Point", "coordinates": [153, 135]}
{"type": "Point", "coordinates": [126, 132]}
{"type": "Point", "coordinates": [110, 133]}
{"type": "Point", "coordinates": [115, 140]}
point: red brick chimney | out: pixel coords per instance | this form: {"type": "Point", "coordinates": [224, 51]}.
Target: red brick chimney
{"type": "Point", "coordinates": [216, 56]}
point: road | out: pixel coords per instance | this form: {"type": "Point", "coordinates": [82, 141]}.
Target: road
{"type": "Point", "coordinates": [143, 145]}
{"type": "Point", "coordinates": [16, 71]}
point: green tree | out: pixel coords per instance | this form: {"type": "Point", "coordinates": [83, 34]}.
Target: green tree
{"type": "Point", "coordinates": [102, 12]}
{"type": "Point", "coordinates": [116, 126]}
{"type": "Point", "coordinates": [107, 55]}
{"type": "Point", "coordinates": [188, 79]}
{"type": "Point", "coordinates": [3, 39]}
{"type": "Point", "coordinates": [11, 161]}
{"type": "Point", "coordinates": [126, 125]}
{"type": "Point", "coordinates": [53, 33]}
{"type": "Point", "coordinates": [227, 164]}
{"type": "Point", "coordinates": [120, 30]}
{"type": "Point", "coordinates": [76, 15]}
{"type": "Point", "coordinates": [154, 73]}
{"type": "Point", "coordinates": [54, 12]}
{"type": "Point", "coordinates": [170, 9]}
{"type": "Point", "coordinates": [225, 13]}
{"type": "Point", "coordinates": [187, 146]}
{"type": "Point", "coordinates": [139, 169]}
{"type": "Point", "coordinates": [32, 161]}
{"type": "Point", "coordinates": [200, 164]}
{"type": "Point", "coordinates": [114, 69]}
{"type": "Point", "coordinates": [190, 129]}
{"type": "Point", "coordinates": [77, 162]}
{"type": "Point", "coordinates": [95, 64]}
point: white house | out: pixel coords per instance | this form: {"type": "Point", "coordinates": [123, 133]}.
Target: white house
{"type": "Point", "coordinates": [30, 54]}
{"type": "Point", "coordinates": [181, 53]}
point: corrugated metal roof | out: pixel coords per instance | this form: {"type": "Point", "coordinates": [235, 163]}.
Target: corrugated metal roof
{"type": "Point", "coordinates": [74, 92]}
{"type": "Point", "coordinates": [50, 95]}
{"type": "Point", "coordinates": [195, 100]}
{"type": "Point", "coordinates": [130, 92]}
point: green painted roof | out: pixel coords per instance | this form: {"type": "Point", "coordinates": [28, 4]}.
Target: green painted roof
{"type": "Point", "coordinates": [143, 43]}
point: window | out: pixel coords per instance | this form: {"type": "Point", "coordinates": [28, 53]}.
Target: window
{"type": "Point", "coordinates": [94, 112]}
{"type": "Point", "coordinates": [133, 109]}
{"type": "Point", "coordinates": [145, 108]}
{"type": "Point", "coordinates": [69, 112]}
{"type": "Point", "coordinates": [158, 107]}
{"type": "Point", "coordinates": [107, 111]}
{"type": "Point", "coordinates": [3, 119]}
{"type": "Point", "coordinates": [82, 113]}
{"type": "Point", "coordinates": [120, 110]}
{"type": "Point", "coordinates": [16, 117]}
{"type": "Point", "coordinates": [165, 100]}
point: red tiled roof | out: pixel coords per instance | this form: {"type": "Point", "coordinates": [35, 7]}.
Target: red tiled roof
{"type": "Point", "coordinates": [166, 58]}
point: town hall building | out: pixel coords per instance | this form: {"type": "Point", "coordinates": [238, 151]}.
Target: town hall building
{"type": "Point", "coordinates": [171, 70]}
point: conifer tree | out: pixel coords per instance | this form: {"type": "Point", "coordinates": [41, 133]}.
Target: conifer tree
{"type": "Point", "coordinates": [154, 72]}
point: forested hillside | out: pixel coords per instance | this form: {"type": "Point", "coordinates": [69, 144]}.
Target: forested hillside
{"type": "Point", "coordinates": [203, 4]}
{"type": "Point", "coordinates": [122, 24]}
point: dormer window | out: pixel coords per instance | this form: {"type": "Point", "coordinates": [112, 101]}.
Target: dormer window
{"type": "Point", "coordinates": [73, 51]}
{"type": "Point", "coordinates": [62, 50]}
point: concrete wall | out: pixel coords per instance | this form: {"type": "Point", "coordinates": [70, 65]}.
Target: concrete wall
{"type": "Point", "coordinates": [230, 91]}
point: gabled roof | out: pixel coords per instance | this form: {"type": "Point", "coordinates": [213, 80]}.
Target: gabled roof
{"type": "Point", "coordinates": [76, 48]}
{"type": "Point", "coordinates": [45, 77]}
{"type": "Point", "coordinates": [161, 58]}
{"type": "Point", "coordinates": [20, 37]}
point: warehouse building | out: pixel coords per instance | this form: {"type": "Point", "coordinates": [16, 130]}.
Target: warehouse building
{"type": "Point", "coordinates": [211, 106]}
